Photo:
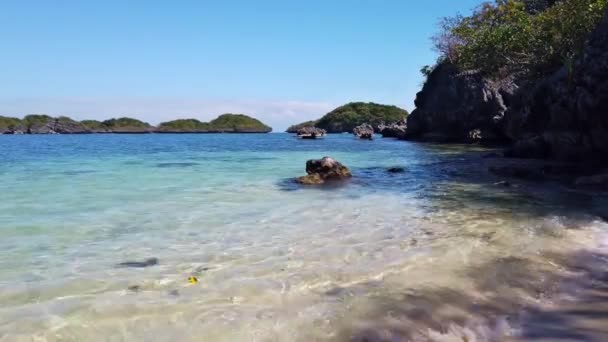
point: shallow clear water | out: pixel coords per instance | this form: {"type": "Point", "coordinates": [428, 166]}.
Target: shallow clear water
{"type": "Point", "coordinates": [275, 261]}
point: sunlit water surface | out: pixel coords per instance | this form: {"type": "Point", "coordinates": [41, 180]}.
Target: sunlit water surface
{"type": "Point", "coordinates": [378, 258]}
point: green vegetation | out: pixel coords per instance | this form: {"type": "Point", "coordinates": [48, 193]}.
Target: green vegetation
{"type": "Point", "coordinates": [232, 123]}
{"type": "Point", "coordinates": [238, 123]}
{"type": "Point", "coordinates": [125, 124]}
{"type": "Point", "coordinates": [65, 119]}
{"type": "Point", "coordinates": [94, 125]}
{"type": "Point", "coordinates": [9, 124]}
{"type": "Point", "coordinates": [184, 125]}
{"type": "Point", "coordinates": [519, 37]}
{"type": "Point", "coordinates": [120, 125]}
{"type": "Point", "coordinates": [35, 120]}
{"type": "Point", "coordinates": [295, 128]}
{"type": "Point", "coordinates": [349, 116]}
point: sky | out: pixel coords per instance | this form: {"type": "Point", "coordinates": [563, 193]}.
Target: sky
{"type": "Point", "coordinates": [282, 61]}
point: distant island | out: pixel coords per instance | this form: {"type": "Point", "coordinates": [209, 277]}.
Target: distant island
{"type": "Point", "coordinates": [345, 118]}
{"type": "Point", "coordinates": [44, 124]}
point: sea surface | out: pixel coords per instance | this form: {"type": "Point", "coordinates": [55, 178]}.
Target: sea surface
{"type": "Point", "coordinates": [438, 252]}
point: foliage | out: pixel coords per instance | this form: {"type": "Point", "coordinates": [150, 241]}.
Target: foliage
{"type": "Point", "coordinates": [65, 119]}
{"type": "Point", "coordinates": [8, 123]}
{"type": "Point", "coordinates": [349, 116]}
{"type": "Point", "coordinates": [184, 125]}
{"type": "Point", "coordinates": [238, 123]}
{"type": "Point", "coordinates": [93, 125]}
{"type": "Point", "coordinates": [223, 123]}
{"type": "Point", "coordinates": [427, 70]}
{"type": "Point", "coordinates": [36, 119]}
{"type": "Point", "coordinates": [125, 123]}
{"type": "Point", "coordinates": [525, 37]}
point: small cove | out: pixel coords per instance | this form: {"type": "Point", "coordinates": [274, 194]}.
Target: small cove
{"type": "Point", "coordinates": [438, 251]}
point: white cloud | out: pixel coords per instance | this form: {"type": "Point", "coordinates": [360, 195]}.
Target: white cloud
{"type": "Point", "coordinates": [276, 113]}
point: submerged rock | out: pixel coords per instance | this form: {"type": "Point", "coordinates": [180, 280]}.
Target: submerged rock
{"type": "Point", "coordinates": [395, 169]}
{"type": "Point", "coordinates": [321, 170]}
{"type": "Point", "coordinates": [139, 264]}
{"type": "Point", "coordinates": [364, 131]}
{"type": "Point", "coordinates": [310, 179]}
{"type": "Point", "coordinates": [518, 171]}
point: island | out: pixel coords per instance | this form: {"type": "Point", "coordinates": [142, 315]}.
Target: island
{"type": "Point", "coordinates": [225, 123]}
{"type": "Point", "coordinates": [345, 118]}
{"type": "Point", "coordinates": [45, 124]}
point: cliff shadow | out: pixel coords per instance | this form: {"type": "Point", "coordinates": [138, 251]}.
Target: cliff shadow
{"type": "Point", "coordinates": [512, 298]}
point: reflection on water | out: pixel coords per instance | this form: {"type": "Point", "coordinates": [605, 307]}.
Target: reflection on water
{"type": "Point", "coordinates": [438, 252]}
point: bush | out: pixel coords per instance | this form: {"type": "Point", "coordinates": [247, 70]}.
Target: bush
{"type": "Point", "coordinates": [8, 123]}
{"type": "Point", "coordinates": [519, 37]}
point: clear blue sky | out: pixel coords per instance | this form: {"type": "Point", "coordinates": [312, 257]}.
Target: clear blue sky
{"type": "Point", "coordinates": [282, 61]}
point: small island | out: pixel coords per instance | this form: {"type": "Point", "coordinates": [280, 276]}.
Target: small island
{"type": "Point", "coordinates": [44, 124]}
{"type": "Point", "coordinates": [225, 123]}
{"type": "Point", "coordinates": [345, 118]}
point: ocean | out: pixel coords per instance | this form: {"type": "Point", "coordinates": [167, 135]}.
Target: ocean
{"type": "Point", "coordinates": [435, 252]}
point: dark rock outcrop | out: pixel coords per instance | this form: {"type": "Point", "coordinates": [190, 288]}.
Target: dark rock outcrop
{"type": "Point", "coordinates": [561, 116]}
{"type": "Point", "coordinates": [528, 172]}
{"type": "Point", "coordinates": [395, 169]}
{"type": "Point", "coordinates": [364, 131]}
{"type": "Point", "coordinates": [394, 130]}
{"type": "Point", "coordinates": [61, 125]}
{"type": "Point", "coordinates": [139, 264]}
{"type": "Point", "coordinates": [460, 107]}
{"type": "Point", "coordinates": [321, 170]}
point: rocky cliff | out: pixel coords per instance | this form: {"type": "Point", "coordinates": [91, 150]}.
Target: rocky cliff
{"type": "Point", "coordinates": [456, 106]}
{"type": "Point", "coordinates": [565, 116]}
{"type": "Point", "coordinates": [562, 116]}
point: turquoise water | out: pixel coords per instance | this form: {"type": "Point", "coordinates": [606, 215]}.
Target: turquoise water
{"type": "Point", "coordinates": [275, 261]}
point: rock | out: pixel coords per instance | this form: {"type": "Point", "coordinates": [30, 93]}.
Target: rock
{"type": "Point", "coordinates": [311, 132]}
{"type": "Point", "coordinates": [395, 169]}
{"type": "Point", "coordinates": [565, 113]}
{"type": "Point", "coordinates": [597, 182]}
{"type": "Point", "coordinates": [518, 171]}
{"type": "Point", "coordinates": [394, 130]}
{"type": "Point", "coordinates": [455, 106]}
{"type": "Point", "coordinates": [560, 116]}
{"type": "Point", "coordinates": [364, 131]}
{"type": "Point", "coordinates": [61, 125]}
{"type": "Point", "coordinates": [313, 179]}
{"type": "Point", "coordinates": [327, 168]}
{"type": "Point", "coordinates": [321, 170]}
{"type": "Point", "coordinates": [134, 288]}
{"type": "Point", "coordinates": [139, 264]}
{"type": "Point", "coordinates": [531, 147]}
